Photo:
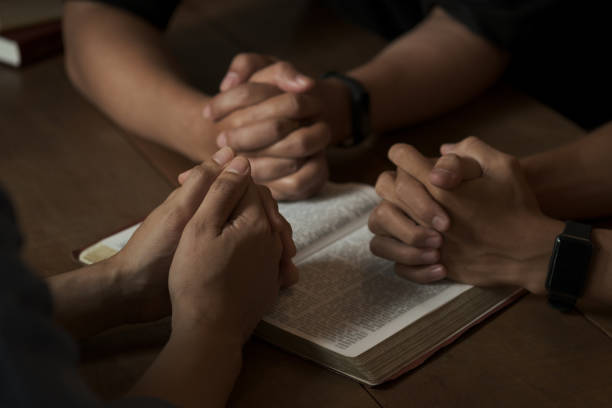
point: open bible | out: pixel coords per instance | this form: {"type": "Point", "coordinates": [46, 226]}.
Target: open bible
{"type": "Point", "coordinates": [349, 311]}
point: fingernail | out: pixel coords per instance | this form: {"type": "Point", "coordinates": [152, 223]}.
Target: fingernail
{"type": "Point", "coordinates": [222, 139]}
{"type": "Point", "coordinates": [430, 256]}
{"type": "Point", "coordinates": [301, 80]}
{"type": "Point", "coordinates": [445, 176]}
{"type": "Point", "coordinates": [434, 242]}
{"type": "Point", "coordinates": [229, 81]}
{"type": "Point", "coordinates": [207, 112]}
{"type": "Point", "coordinates": [183, 175]}
{"type": "Point", "coordinates": [442, 171]}
{"type": "Point", "coordinates": [447, 146]}
{"type": "Point", "coordinates": [223, 156]}
{"type": "Point", "coordinates": [439, 223]}
{"type": "Point", "coordinates": [437, 272]}
{"type": "Point", "coordinates": [239, 165]}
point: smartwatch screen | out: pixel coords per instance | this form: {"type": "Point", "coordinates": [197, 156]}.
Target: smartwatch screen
{"type": "Point", "coordinates": [572, 258]}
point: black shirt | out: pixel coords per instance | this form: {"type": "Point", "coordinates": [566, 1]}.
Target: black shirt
{"type": "Point", "coordinates": [558, 47]}
{"type": "Point", "coordinates": [37, 359]}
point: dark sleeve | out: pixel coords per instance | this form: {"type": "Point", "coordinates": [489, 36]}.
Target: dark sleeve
{"type": "Point", "coordinates": [37, 359]}
{"type": "Point", "coordinates": [157, 12]}
{"type": "Point", "coordinates": [510, 24]}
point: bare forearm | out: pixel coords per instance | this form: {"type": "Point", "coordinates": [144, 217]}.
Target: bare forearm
{"type": "Point", "coordinates": [598, 289]}
{"type": "Point", "coordinates": [119, 62]}
{"type": "Point", "coordinates": [573, 181]}
{"type": "Point", "coordinates": [203, 363]}
{"type": "Point", "coordinates": [91, 299]}
{"type": "Point", "coordinates": [436, 67]}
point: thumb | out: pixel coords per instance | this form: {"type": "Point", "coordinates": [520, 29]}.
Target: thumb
{"type": "Point", "coordinates": [221, 157]}
{"type": "Point", "coordinates": [475, 149]}
{"type": "Point", "coordinates": [242, 67]}
{"type": "Point", "coordinates": [284, 76]}
{"type": "Point", "coordinates": [451, 169]}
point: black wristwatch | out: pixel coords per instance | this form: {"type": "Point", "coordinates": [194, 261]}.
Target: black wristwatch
{"type": "Point", "coordinates": [569, 265]}
{"type": "Point", "coordinates": [360, 108]}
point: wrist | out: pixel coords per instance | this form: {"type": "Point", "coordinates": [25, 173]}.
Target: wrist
{"type": "Point", "coordinates": [532, 266]}
{"type": "Point", "coordinates": [194, 323]}
{"type": "Point", "coordinates": [202, 132]}
{"type": "Point", "coordinates": [338, 115]}
{"type": "Point", "coordinates": [126, 287]}
{"type": "Point", "coordinates": [142, 296]}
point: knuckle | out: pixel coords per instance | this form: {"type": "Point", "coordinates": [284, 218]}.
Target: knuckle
{"type": "Point", "coordinates": [374, 222]}
{"type": "Point", "coordinates": [243, 61]}
{"type": "Point", "coordinates": [383, 183]}
{"type": "Point", "coordinates": [402, 151]}
{"type": "Point", "coordinates": [295, 185]}
{"type": "Point", "coordinates": [297, 188]}
{"type": "Point", "coordinates": [470, 141]}
{"type": "Point", "coordinates": [375, 245]}
{"type": "Point", "coordinates": [382, 211]}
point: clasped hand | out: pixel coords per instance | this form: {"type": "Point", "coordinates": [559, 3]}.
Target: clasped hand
{"type": "Point", "coordinates": [469, 216]}
{"type": "Point", "coordinates": [274, 115]}
{"type": "Point", "coordinates": [215, 252]}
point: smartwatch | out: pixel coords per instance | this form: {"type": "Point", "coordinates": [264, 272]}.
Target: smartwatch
{"type": "Point", "coordinates": [569, 264]}
{"type": "Point", "coordinates": [360, 108]}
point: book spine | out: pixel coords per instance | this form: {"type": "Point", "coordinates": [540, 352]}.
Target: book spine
{"type": "Point", "coordinates": [35, 49]}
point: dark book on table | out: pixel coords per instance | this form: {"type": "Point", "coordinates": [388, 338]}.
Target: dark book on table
{"type": "Point", "coordinates": [24, 45]}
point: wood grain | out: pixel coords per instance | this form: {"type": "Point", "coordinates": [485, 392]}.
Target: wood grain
{"type": "Point", "coordinates": [74, 177]}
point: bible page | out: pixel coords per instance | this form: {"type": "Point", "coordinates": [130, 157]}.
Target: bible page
{"type": "Point", "coordinates": [336, 211]}
{"type": "Point", "coordinates": [348, 300]}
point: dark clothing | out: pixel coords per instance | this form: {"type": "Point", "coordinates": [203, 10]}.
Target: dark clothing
{"type": "Point", "coordinates": [558, 47]}
{"type": "Point", "coordinates": [157, 13]}
{"type": "Point", "coordinates": [37, 359]}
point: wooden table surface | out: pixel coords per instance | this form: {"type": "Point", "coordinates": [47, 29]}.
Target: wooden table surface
{"type": "Point", "coordinates": [74, 177]}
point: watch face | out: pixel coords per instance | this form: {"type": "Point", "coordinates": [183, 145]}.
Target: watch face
{"type": "Point", "coordinates": [570, 263]}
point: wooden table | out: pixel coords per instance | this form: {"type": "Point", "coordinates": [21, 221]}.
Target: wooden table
{"type": "Point", "coordinates": [74, 177]}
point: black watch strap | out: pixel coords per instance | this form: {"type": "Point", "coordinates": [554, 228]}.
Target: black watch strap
{"type": "Point", "coordinates": [577, 229]}
{"type": "Point", "coordinates": [561, 302]}
{"type": "Point", "coordinates": [360, 108]}
{"type": "Point", "coordinates": [569, 264]}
